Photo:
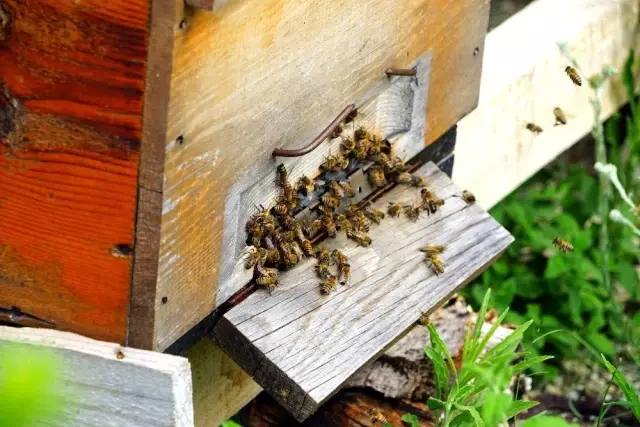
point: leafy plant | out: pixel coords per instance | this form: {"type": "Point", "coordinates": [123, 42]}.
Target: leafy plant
{"type": "Point", "coordinates": [631, 395]}
{"type": "Point", "coordinates": [474, 394]}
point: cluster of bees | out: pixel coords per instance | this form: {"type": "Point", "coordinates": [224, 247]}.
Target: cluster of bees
{"type": "Point", "coordinates": [560, 116]}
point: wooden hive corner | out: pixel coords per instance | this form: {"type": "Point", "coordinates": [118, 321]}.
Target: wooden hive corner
{"type": "Point", "coordinates": [302, 346]}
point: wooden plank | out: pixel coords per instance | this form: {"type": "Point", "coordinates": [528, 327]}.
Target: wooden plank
{"type": "Point", "coordinates": [201, 4]}
{"type": "Point", "coordinates": [220, 386]}
{"type": "Point", "coordinates": [70, 130]}
{"type": "Point", "coordinates": [253, 76]}
{"type": "Point", "coordinates": [523, 80]}
{"type": "Point", "coordinates": [301, 346]}
{"type": "Point", "coordinates": [105, 384]}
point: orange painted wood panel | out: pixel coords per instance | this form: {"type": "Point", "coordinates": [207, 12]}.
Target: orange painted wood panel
{"type": "Point", "coordinates": [72, 75]}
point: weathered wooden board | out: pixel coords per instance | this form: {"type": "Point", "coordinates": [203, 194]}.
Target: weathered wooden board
{"type": "Point", "coordinates": [523, 79]}
{"type": "Point", "coordinates": [256, 75]}
{"type": "Point", "coordinates": [71, 94]}
{"type": "Point", "coordinates": [302, 346]}
{"type": "Point", "coordinates": [105, 384]}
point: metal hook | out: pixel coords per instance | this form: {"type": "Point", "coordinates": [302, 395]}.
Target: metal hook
{"type": "Point", "coordinates": [278, 152]}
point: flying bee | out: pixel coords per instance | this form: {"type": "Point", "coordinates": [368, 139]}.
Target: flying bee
{"type": "Point", "coordinates": [339, 257]}
{"type": "Point", "coordinates": [347, 146]}
{"type": "Point", "coordinates": [436, 265]}
{"type": "Point", "coordinates": [404, 178]}
{"type": "Point", "coordinates": [323, 255]}
{"type": "Point", "coordinates": [433, 249]}
{"type": "Point", "coordinates": [424, 320]}
{"type": "Point", "coordinates": [328, 285]}
{"type": "Point", "coordinates": [269, 282]}
{"type": "Point", "coordinates": [394, 209]}
{"type": "Point", "coordinates": [534, 128]}
{"type": "Point", "coordinates": [468, 197]}
{"type": "Point", "coordinates": [377, 417]}
{"type": "Point", "coordinates": [359, 237]}
{"type": "Point", "coordinates": [348, 189]}
{"type": "Point", "coordinates": [322, 270]}
{"type": "Point", "coordinates": [561, 117]}
{"type": "Point", "coordinates": [376, 177]}
{"type": "Point", "coordinates": [330, 201]}
{"type": "Point", "coordinates": [344, 272]}
{"type": "Point", "coordinates": [337, 189]}
{"type": "Point", "coordinates": [360, 134]}
{"type": "Point", "coordinates": [562, 245]}
{"type": "Point", "coordinates": [573, 75]}
{"type": "Point", "coordinates": [252, 259]}
{"type": "Point", "coordinates": [418, 181]}
{"type": "Point", "coordinates": [311, 228]}
{"type": "Point", "coordinates": [305, 185]}
{"type": "Point", "coordinates": [412, 211]}
{"type": "Point", "coordinates": [336, 132]}
{"type": "Point", "coordinates": [372, 214]}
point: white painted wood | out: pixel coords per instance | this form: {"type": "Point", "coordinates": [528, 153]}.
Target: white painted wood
{"type": "Point", "coordinates": [301, 346]}
{"type": "Point", "coordinates": [523, 79]}
{"type": "Point", "coordinates": [143, 388]}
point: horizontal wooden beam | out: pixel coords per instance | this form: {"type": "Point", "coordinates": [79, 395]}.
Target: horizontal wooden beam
{"type": "Point", "coordinates": [523, 80]}
{"type": "Point", "coordinates": [108, 384]}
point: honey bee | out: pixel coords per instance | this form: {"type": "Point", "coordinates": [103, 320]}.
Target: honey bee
{"type": "Point", "coordinates": [305, 185]}
{"type": "Point", "coordinates": [361, 150]}
{"type": "Point", "coordinates": [561, 117]}
{"type": "Point", "coordinates": [376, 177]}
{"type": "Point", "coordinates": [534, 128]}
{"type": "Point", "coordinates": [372, 214]}
{"type": "Point", "coordinates": [359, 237]}
{"type": "Point", "coordinates": [360, 134]}
{"type": "Point", "coordinates": [336, 132]}
{"type": "Point", "coordinates": [424, 320]}
{"type": "Point", "coordinates": [328, 285]}
{"type": "Point", "coordinates": [291, 258]}
{"type": "Point", "coordinates": [398, 165]}
{"type": "Point", "coordinates": [307, 247]}
{"type": "Point", "coordinates": [377, 146]}
{"type": "Point", "coordinates": [468, 197]}
{"type": "Point", "coordinates": [348, 189]}
{"type": "Point", "coordinates": [433, 249]}
{"type": "Point", "coordinates": [323, 255]}
{"type": "Point", "coordinates": [404, 178]}
{"type": "Point", "coordinates": [361, 222]}
{"type": "Point", "coordinates": [430, 202]}
{"type": "Point", "coordinates": [343, 223]}
{"type": "Point", "coordinates": [269, 256]}
{"type": "Point", "coordinates": [384, 161]}
{"type": "Point", "coordinates": [252, 259]}
{"type": "Point", "coordinates": [337, 190]}
{"type": "Point", "coordinates": [281, 208]}
{"type": "Point", "coordinates": [332, 163]}
{"type": "Point", "coordinates": [394, 209]}
{"type": "Point", "coordinates": [573, 75]}
{"type": "Point", "coordinates": [377, 417]}
{"type": "Point", "coordinates": [347, 146]}
{"type": "Point", "coordinates": [311, 228]}
{"type": "Point", "coordinates": [562, 245]}
{"type": "Point", "coordinates": [344, 270]}
{"type": "Point", "coordinates": [436, 265]}
{"type": "Point", "coordinates": [330, 201]}
{"type": "Point", "coordinates": [267, 281]}
{"type": "Point", "coordinates": [339, 257]}
{"type": "Point", "coordinates": [412, 211]}
{"type": "Point", "coordinates": [282, 175]}
{"type": "Point", "coordinates": [418, 181]}
{"type": "Point", "coordinates": [351, 117]}
{"type": "Point", "coordinates": [329, 225]}
{"type": "Point", "coordinates": [351, 210]}
{"type": "Point", "coordinates": [322, 270]}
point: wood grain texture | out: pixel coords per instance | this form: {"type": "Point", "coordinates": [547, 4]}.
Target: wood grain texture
{"type": "Point", "coordinates": [220, 386]}
{"type": "Point", "coordinates": [256, 75]}
{"type": "Point", "coordinates": [71, 84]}
{"type": "Point", "coordinates": [105, 384]}
{"type": "Point", "coordinates": [523, 80]}
{"type": "Point", "coordinates": [301, 346]}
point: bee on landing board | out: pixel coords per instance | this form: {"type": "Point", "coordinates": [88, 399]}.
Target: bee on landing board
{"type": "Point", "coordinates": [394, 209]}
{"type": "Point", "coordinates": [305, 185]}
{"type": "Point", "coordinates": [561, 117]}
{"type": "Point", "coordinates": [338, 256]}
{"type": "Point", "coordinates": [328, 285]}
{"type": "Point", "coordinates": [424, 320]}
{"type": "Point", "coordinates": [322, 270]}
{"type": "Point", "coordinates": [323, 255]}
{"type": "Point", "coordinates": [337, 190]}
{"type": "Point", "coordinates": [534, 128]}
{"type": "Point", "coordinates": [412, 211]}
{"type": "Point", "coordinates": [430, 202]}
{"type": "Point", "coordinates": [336, 132]}
{"type": "Point", "coordinates": [348, 189]}
{"type": "Point", "coordinates": [376, 176]}
{"type": "Point", "coordinates": [433, 249]}
{"type": "Point", "coordinates": [573, 75]}
{"type": "Point", "coordinates": [344, 272]}
{"type": "Point", "coordinates": [468, 197]}
{"type": "Point", "coordinates": [436, 265]}
{"type": "Point", "coordinates": [418, 181]}
{"type": "Point", "coordinates": [372, 214]}
{"type": "Point", "coordinates": [377, 417]}
{"type": "Point", "coordinates": [360, 237]}
{"type": "Point", "coordinates": [252, 258]}
{"type": "Point", "coordinates": [267, 281]}
{"type": "Point", "coordinates": [562, 245]}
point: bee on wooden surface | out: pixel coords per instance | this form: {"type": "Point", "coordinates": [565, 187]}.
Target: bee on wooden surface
{"type": "Point", "coordinates": [323, 256]}
{"type": "Point", "coordinates": [305, 185]}
{"type": "Point", "coordinates": [328, 285]}
{"type": "Point", "coordinates": [468, 197]}
{"type": "Point", "coordinates": [573, 75]}
{"type": "Point", "coordinates": [359, 237]}
{"type": "Point", "coordinates": [252, 259]}
{"type": "Point", "coordinates": [361, 222]}
{"type": "Point", "coordinates": [336, 189]}
{"type": "Point", "coordinates": [336, 132]}
{"type": "Point", "coordinates": [372, 214]}
{"type": "Point", "coordinates": [561, 117]}
{"type": "Point", "coordinates": [398, 165]}
{"type": "Point", "coordinates": [351, 210]}
{"type": "Point", "coordinates": [534, 128]}
{"type": "Point", "coordinates": [307, 247]}
{"type": "Point", "coordinates": [360, 134]}
{"type": "Point", "coordinates": [394, 209]}
{"type": "Point", "coordinates": [412, 211]}
{"type": "Point", "coordinates": [379, 146]}
{"type": "Point", "coordinates": [339, 257]}
{"type": "Point", "coordinates": [347, 188]}
{"type": "Point", "coordinates": [418, 181]}
{"type": "Point", "coordinates": [332, 163]}
{"type": "Point", "coordinates": [330, 201]}
{"type": "Point", "coordinates": [343, 223]}
{"type": "Point", "coordinates": [377, 417]}
{"type": "Point", "coordinates": [352, 116]}
{"type": "Point", "coordinates": [311, 228]}
{"type": "Point", "coordinates": [269, 282]}
{"type": "Point", "coordinates": [433, 249]}
{"type": "Point", "coordinates": [291, 256]}
{"type": "Point", "coordinates": [424, 320]}
{"type": "Point", "coordinates": [430, 202]}
{"type": "Point", "coordinates": [361, 150]}
{"type": "Point", "coordinates": [404, 178]}
{"type": "Point", "coordinates": [322, 270]}
{"type": "Point", "coordinates": [328, 224]}
{"type": "Point", "coordinates": [281, 208]}
{"type": "Point", "coordinates": [256, 234]}
{"type": "Point", "coordinates": [347, 146]}
{"type": "Point", "coordinates": [344, 272]}
{"type": "Point", "coordinates": [376, 177]}
{"type": "Point", "coordinates": [563, 245]}
{"type": "Point", "coordinates": [436, 265]}
{"type": "Point", "coordinates": [282, 175]}
{"type": "Point", "coordinates": [269, 256]}
{"type": "Point", "coordinates": [384, 161]}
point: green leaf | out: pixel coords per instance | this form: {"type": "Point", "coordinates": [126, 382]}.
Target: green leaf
{"type": "Point", "coordinates": [411, 419]}
{"type": "Point", "coordinates": [509, 344]}
{"type": "Point", "coordinates": [442, 373]}
{"type": "Point", "coordinates": [488, 336]}
{"type": "Point", "coordinates": [629, 393]}
{"type": "Point", "coordinates": [471, 411]}
{"type": "Point", "coordinates": [438, 345]}
{"type": "Point", "coordinates": [387, 424]}
{"type": "Point", "coordinates": [547, 421]}
{"type": "Point", "coordinates": [601, 343]}
{"type": "Point", "coordinates": [231, 423]}
{"type": "Point", "coordinates": [628, 79]}
{"type": "Point", "coordinates": [435, 404]}
{"type": "Point", "coordinates": [556, 267]}
{"type": "Point", "coordinates": [527, 363]}
{"type": "Point", "coordinates": [628, 277]}
{"type": "Point", "coordinates": [519, 406]}
{"type": "Point", "coordinates": [494, 407]}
